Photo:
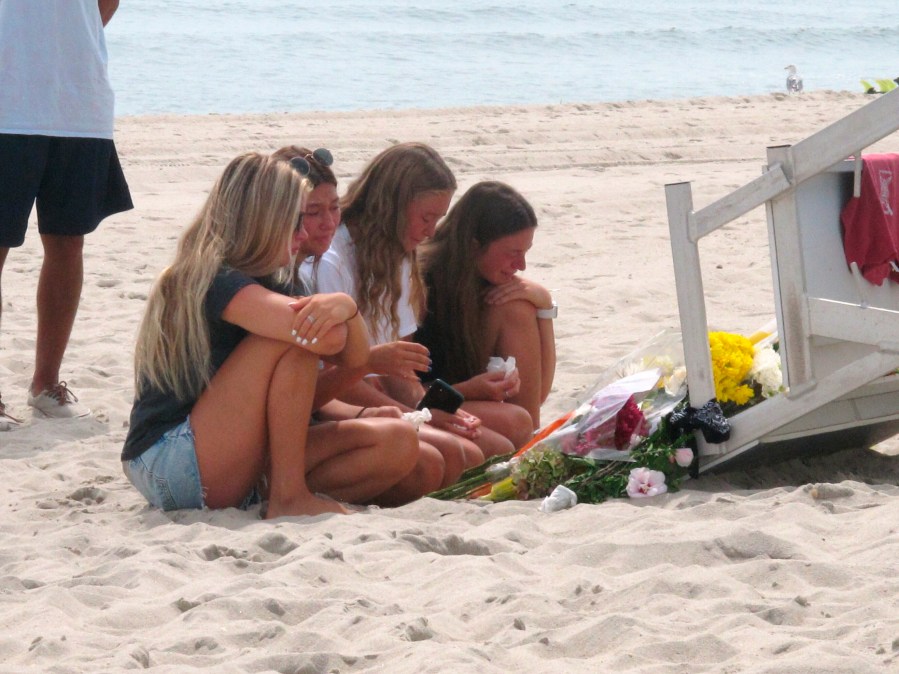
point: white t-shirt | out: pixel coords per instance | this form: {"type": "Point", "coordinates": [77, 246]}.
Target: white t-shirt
{"type": "Point", "coordinates": [53, 77]}
{"type": "Point", "coordinates": [336, 274]}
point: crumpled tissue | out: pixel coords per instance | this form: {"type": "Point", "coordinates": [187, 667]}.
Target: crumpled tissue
{"type": "Point", "coordinates": [497, 364]}
{"type": "Point", "coordinates": [418, 417]}
{"type": "Point", "coordinates": [560, 498]}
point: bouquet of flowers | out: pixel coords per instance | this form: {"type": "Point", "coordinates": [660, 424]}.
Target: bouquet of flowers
{"type": "Point", "coordinates": [627, 437]}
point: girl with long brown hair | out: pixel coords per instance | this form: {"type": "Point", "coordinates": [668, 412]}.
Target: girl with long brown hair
{"type": "Point", "coordinates": [387, 212]}
{"type": "Point", "coordinates": [479, 307]}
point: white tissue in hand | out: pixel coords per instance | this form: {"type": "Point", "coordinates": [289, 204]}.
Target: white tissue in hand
{"type": "Point", "coordinates": [418, 417]}
{"type": "Point", "coordinates": [497, 364]}
{"type": "Point", "coordinates": [562, 497]}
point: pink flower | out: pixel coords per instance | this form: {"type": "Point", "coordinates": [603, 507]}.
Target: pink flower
{"type": "Point", "coordinates": [683, 456]}
{"type": "Point", "coordinates": [644, 482]}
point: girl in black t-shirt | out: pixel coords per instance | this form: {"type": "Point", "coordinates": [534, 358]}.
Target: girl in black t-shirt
{"type": "Point", "coordinates": [479, 307]}
{"type": "Point", "coordinates": [226, 363]}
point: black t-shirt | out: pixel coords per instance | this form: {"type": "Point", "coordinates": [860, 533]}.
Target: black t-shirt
{"type": "Point", "coordinates": [156, 411]}
{"type": "Point", "coordinates": [430, 335]}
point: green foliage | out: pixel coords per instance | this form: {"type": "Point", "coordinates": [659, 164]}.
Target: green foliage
{"type": "Point", "coordinates": [538, 471]}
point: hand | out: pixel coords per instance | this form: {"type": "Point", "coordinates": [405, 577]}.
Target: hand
{"type": "Point", "coordinates": [461, 423]}
{"type": "Point", "coordinates": [387, 411]}
{"type": "Point", "coordinates": [520, 289]}
{"type": "Point", "coordinates": [497, 386]}
{"type": "Point", "coordinates": [319, 313]}
{"type": "Point", "coordinates": [400, 359]}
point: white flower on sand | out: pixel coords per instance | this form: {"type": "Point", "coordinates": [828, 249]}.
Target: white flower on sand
{"type": "Point", "coordinates": [644, 482]}
{"type": "Point", "coordinates": [766, 371]}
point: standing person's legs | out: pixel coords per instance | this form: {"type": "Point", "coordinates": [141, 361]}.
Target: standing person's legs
{"type": "Point", "coordinates": [81, 183]}
{"type": "Point", "coordinates": [3, 253]}
{"type": "Point", "coordinates": [7, 421]}
{"type": "Point", "coordinates": [22, 162]}
{"type": "Point", "coordinates": [58, 295]}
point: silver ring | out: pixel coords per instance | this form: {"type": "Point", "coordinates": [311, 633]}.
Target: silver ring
{"type": "Point", "coordinates": [310, 318]}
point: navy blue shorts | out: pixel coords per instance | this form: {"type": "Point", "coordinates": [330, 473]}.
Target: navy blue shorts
{"type": "Point", "coordinates": [76, 182]}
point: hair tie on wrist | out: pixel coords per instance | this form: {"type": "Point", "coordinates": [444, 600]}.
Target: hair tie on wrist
{"type": "Point", "coordinates": [364, 408]}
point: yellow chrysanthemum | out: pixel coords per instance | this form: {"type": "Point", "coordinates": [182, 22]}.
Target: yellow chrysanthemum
{"type": "Point", "coordinates": [731, 362]}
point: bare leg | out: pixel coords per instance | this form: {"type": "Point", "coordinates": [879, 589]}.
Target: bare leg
{"type": "Point", "coordinates": [458, 453]}
{"type": "Point", "coordinates": [254, 414]}
{"type": "Point", "coordinates": [512, 331]}
{"type": "Point", "coordinates": [3, 253]}
{"type": "Point", "coordinates": [506, 419]}
{"type": "Point", "coordinates": [58, 295]}
{"type": "Point", "coordinates": [426, 476]}
{"type": "Point", "coordinates": [358, 459]}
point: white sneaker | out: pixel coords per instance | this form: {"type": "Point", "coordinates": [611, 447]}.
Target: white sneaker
{"type": "Point", "coordinates": [7, 421]}
{"type": "Point", "coordinates": [58, 402]}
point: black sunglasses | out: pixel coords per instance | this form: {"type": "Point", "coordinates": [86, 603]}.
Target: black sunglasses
{"type": "Point", "coordinates": [320, 156]}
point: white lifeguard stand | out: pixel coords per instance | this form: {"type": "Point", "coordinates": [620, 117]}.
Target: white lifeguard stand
{"type": "Point", "coordinates": [839, 334]}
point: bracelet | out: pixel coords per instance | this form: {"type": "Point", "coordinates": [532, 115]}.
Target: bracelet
{"type": "Point", "coordinates": [360, 411]}
{"type": "Point", "coordinates": [549, 314]}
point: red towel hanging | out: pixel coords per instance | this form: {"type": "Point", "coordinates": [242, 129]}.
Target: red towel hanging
{"type": "Point", "coordinates": [871, 221]}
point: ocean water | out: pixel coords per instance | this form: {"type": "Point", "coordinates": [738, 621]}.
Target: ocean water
{"type": "Point", "coordinates": [230, 56]}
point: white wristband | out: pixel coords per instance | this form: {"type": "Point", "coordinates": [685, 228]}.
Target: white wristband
{"type": "Point", "coordinates": [548, 314]}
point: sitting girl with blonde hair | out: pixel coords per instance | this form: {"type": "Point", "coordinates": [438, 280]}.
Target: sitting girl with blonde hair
{"type": "Point", "coordinates": [226, 364]}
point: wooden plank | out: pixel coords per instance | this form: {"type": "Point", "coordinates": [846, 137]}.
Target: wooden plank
{"type": "Point", "coordinates": [690, 297]}
{"type": "Point", "coordinates": [739, 202]}
{"type": "Point", "coordinates": [788, 271]}
{"type": "Point", "coordinates": [854, 323]}
{"type": "Point", "coordinates": [859, 129]}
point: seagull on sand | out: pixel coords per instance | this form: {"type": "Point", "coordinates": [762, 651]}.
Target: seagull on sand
{"type": "Point", "coordinates": [794, 82]}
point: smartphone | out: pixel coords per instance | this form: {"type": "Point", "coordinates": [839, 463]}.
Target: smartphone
{"type": "Point", "coordinates": [441, 396]}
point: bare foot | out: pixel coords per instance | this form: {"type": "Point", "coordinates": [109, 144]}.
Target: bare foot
{"type": "Point", "coordinates": [308, 505]}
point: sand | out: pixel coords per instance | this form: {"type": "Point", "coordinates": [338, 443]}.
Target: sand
{"type": "Point", "coordinates": [788, 569]}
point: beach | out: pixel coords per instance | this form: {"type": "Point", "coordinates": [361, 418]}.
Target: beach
{"type": "Point", "coordinates": [788, 568]}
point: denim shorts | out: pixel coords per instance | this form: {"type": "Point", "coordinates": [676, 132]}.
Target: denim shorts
{"type": "Point", "coordinates": [168, 476]}
{"type": "Point", "coordinates": [167, 473]}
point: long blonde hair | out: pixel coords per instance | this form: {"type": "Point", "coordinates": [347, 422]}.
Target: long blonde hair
{"type": "Point", "coordinates": [374, 211]}
{"type": "Point", "coordinates": [486, 212]}
{"type": "Point", "coordinates": [246, 224]}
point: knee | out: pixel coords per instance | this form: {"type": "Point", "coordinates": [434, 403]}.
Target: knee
{"type": "Point", "coordinates": [521, 425]}
{"type": "Point", "coordinates": [401, 440]}
{"type": "Point", "coordinates": [290, 360]}
{"type": "Point", "coordinates": [429, 469]}
{"type": "Point", "coordinates": [473, 455]}
{"type": "Point", "coordinates": [496, 445]}
{"type": "Point", "coordinates": [61, 248]}
{"type": "Point", "coordinates": [455, 458]}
